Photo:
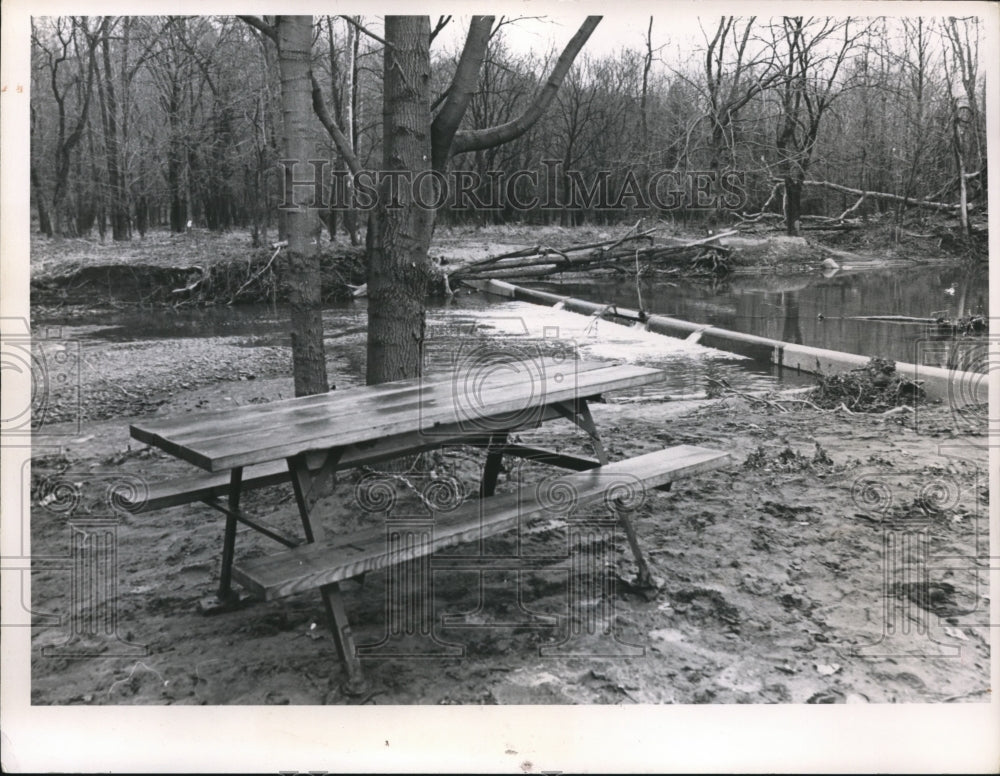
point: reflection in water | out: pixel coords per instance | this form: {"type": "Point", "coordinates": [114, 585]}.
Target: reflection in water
{"type": "Point", "coordinates": [812, 310]}
{"type": "Point", "coordinates": [792, 331]}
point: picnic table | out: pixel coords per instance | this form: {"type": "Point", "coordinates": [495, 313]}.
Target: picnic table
{"type": "Point", "coordinates": [305, 440]}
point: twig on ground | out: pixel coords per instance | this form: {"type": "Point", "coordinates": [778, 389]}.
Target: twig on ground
{"type": "Point", "coordinates": [749, 397]}
{"type": "Point", "coordinates": [894, 410]}
{"type": "Point", "coordinates": [801, 401]}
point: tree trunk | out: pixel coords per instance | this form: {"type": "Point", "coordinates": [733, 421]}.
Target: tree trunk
{"type": "Point", "coordinates": [142, 215]}
{"type": "Point", "coordinates": [960, 166]}
{"type": "Point", "coordinates": [303, 279]}
{"type": "Point", "coordinates": [398, 267]}
{"type": "Point", "coordinates": [44, 224]}
{"type": "Point", "coordinates": [793, 204]}
{"type": "Point", "coordinates": [178, 205]}
{"type": "Point", "coordinates": [352, 220]}
{"type": "Point", "coordinates": [120, 227]}
{"type": "Point", "coordinates": [175, 157]}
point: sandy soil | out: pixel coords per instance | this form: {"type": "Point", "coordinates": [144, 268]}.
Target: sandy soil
{"type": "Point", "coordinates": [774, 570]}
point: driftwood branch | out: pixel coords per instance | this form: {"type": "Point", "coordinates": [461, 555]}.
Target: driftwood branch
{"type": "Point", "coordinates": [191, 286]}
{"type": "Point", "coordinates": [853, 207]}
{"type": "Point", "coordinates": [763, 210]}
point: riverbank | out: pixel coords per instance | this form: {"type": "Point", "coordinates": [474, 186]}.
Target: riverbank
{"type": "Point", "coordinates": [200, 267]}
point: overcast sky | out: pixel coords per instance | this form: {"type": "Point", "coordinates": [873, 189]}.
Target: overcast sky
{"type": "Point", "coordinates": [625, 28]}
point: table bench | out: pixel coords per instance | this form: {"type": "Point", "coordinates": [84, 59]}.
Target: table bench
{"type": "Point", "coordinates": [322, 565]}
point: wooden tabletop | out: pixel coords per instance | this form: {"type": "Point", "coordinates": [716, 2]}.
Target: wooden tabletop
{"type": "Point", "coordinates": [257, 433]}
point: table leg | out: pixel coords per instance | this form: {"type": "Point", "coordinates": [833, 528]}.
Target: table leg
{"type": "Point", "coordinates": [229, 539]}
{"type": "Point", "coordinates": [591, 594]}
{"type": "Point", "coordinates": [355, 682]}
{"type": "Point", "coordinates": [579, 413]}
{"type": "Point", "coordinates": [227, 599]}
{"type": "Point", "coordinates": [308, 488]}
{"type": "Point", "coordinates": [644, 580]}
{"type": "Point", "coordinates": [494, 462]}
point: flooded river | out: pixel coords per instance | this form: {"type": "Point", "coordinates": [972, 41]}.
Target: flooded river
{"type": "Point", "coordinates": [807, 309]}
{"type": "Point", "coordinates": [815, 310]}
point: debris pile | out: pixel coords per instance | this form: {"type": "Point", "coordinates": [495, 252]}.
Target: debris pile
{"type": "Point", "coordinates": [634, 253]}
{"type": "Point", "coordinates": [875, 387]}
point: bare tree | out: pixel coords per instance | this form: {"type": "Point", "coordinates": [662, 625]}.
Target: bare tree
{"type": "Point", "coordinates": [812, 61]}
{"type": "Point", "coordinates": [70, 65]}
{"type": "Point", "coordinates": [734, 75]}
{"type": "Point", "coordinates": [293, 36]}
{"type": "Point", "coordinates": [961, 72]}
{"type": "Point", "coordinates": [398, 267]}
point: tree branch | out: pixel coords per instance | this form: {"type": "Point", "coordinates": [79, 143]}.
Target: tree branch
{"type": "Point", "coordinates": [474, 140]}
{"type": "Point", "coordinates": [261, 26]}
{"type": "Point", "coordinates": [908, 201]}
{"type": "Point", "coordinates": [339, 139]}
{"type": "Point", "coordinates": [366, 31]}
{"type": "Point", "coordinates": [461, 90]}
{"type": "Point", "coordinates": [441, 24]}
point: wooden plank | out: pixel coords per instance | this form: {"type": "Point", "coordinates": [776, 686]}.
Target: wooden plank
{"type": "Point", "coordinates": [499, 562]}
{"type": "Point", "coordinates": [496, 409]}
{"type": "Point", "coordinates": [311, 566]}
{"type": "Point", "coordinates": [346, 401]}
{"type": "Point", "coordinates": [200, 485]}
{"type": "Point", "coordinates": [347, 405]}
{"type": "Point", "coordinates": [200, 429]}
{"type": "Point", "coordinates": [247, 444]}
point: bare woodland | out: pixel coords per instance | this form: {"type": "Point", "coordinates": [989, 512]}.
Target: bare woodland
{"type": "Point", "coordinates": [161, 122]}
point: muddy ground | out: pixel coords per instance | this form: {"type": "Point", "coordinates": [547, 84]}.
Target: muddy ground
{"type": "Point", "coordinates": [773, 570]}
{"type": "Point", "coordinates": [777, 584]}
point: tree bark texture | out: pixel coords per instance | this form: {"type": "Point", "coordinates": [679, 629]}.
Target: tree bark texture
{"type": "Point", "coordinates": [398, 268]}
{"type": "Point", "coordinates": [294, 34]}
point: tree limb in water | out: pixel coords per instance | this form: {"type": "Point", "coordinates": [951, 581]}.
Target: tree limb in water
{"type": "Point", "coordinates": [894, 319]}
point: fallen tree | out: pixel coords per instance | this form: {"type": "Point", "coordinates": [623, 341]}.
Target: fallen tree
{"type": "Point", "coordinates": [881, 195]}
{"type": "Point", "coordinates": [861, 194]}
{"type": "Point", "coordinates": [623, 253]}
